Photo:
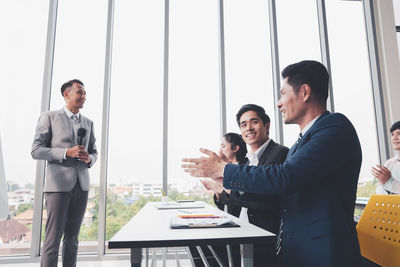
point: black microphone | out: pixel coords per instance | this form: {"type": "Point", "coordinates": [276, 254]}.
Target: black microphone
{"type": "Point", "coordinates": [81, 135]}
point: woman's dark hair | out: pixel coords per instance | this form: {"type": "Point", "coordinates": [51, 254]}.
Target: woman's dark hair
{"type": "Point", "coordinates": [236, 140]}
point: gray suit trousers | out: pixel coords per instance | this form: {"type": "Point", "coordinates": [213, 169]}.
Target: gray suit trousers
{"type": "Point", "coordinates": [65, 213]}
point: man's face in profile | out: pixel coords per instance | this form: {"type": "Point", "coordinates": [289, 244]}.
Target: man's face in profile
{"type": "Point", "coordinates": [75, 96]}
{"type": "Point", "coordinates": [290, 104]}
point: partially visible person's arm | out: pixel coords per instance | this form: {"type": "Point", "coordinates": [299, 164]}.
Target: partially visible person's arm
{"type": "Point", "coordinates": [332, 147]}
{"type": "Point", "coordinates": [389, 176]}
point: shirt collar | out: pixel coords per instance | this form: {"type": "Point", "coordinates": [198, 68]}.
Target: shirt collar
{"type": "Point", "coordinates": [259, 151]}
{"type": "Point", "coordinates": [69, 113]}
{"type": "Point", "coordinates": [308, 126]}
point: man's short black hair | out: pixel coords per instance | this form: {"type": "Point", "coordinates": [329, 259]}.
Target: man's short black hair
{"type": "Point", "coordinates": [309, 72]}
{"type": "Point", "coordinates": [395, 126]}
{"type": "Point", "coordinates": [68, 84]}
{"type": "Point", "coordinates": [259, 110]}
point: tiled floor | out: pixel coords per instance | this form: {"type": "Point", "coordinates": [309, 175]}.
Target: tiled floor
{"type": "Point", "coordinates": [120, 263]}
{"type": "Point", "coordinates": [106, 263]}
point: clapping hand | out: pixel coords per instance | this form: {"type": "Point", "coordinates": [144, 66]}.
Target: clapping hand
{"type": "Point", "coordinates": [211, 166]}
{"type": "Point", "coordinates": [381, 173]}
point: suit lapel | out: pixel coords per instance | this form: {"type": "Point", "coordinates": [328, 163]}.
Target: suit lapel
{"type": "Point", "coordinates": [264, 155]}
{"type": "Point", "coordinates": [304, 139]}
{"type": "Point", "coordinates": [62, 116]}
{"type": "Point", "coordinates": [84, 124]}
{"type": "Point", "coordinates": [293, 149]}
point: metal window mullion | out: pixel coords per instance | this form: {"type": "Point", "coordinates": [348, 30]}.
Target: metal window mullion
{"type": "Point", "coordinates": [165, 98]}
{"type": "Point", "coordinates": [324, 44]}
{"type": "Point", "coordinates": [222, 84]}
{"type": "Point", "coordinates": [45, 106]}
{"type": "Point", "coordinates": [105, 131]}
{"type": "Point", "coordinates": [275, 69]}
{"type": "Point", "coordinates": [376, 80]}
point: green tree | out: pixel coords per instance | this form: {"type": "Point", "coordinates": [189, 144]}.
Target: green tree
{"type": "Point", "coordinates": [368, 189]}
{"type": "Point", "coordinates": [24, 207]}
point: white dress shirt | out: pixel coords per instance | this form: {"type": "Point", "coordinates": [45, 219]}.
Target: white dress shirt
{"type": "Point", "coordinates": [253, 161]}
{"type": "Point", "coordinates": [308, 126]}
{"type": "Point", "coordinates": [75, 121]}
{"type": "Point", "coordinates": [255, 157]}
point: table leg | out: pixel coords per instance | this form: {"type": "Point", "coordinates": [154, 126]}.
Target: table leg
{"type": "Point", "coordinates": [229, 252]}
{"type": "Point", "coordinates": [147, 257]}
{"type": "Point", "coordinates": [136, 256]}
{"type": "Point", "coordinates": [246, 252]}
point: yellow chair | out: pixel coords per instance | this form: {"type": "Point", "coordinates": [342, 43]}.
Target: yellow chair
{"type": "Point", "coordinates": [379, 230]}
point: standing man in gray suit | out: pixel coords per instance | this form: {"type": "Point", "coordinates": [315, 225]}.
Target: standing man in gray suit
{"type": "Point", "coordinates": [65, 138]}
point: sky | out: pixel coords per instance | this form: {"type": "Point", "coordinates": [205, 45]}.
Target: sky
{"type": "Point", "coordinates": [136, 100]}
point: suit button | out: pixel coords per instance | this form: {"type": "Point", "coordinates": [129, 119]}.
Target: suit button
{"type": "Point", "coordinates": [285, 211]}
{"type": "Point", "coordinates": [287, 236]}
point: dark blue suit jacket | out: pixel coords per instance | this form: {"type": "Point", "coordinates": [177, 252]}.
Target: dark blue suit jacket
{"type": "Point", "coordinates": [263, 210]}
{"type": "Point", "coordinates": [317, 184]}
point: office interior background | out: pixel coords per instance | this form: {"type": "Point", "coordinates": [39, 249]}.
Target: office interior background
{"type": "Point", "coordinates": [166, 77]}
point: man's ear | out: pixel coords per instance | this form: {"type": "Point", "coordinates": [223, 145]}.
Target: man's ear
{"type": "Point", "coordinates": [305, 92]}
{"type": "Point", "coordinates": [267, 126]}
{"type": "Point", "coordinates": [65, 93]}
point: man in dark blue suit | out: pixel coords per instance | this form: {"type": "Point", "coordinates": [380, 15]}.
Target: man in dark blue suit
{"type": "Point", "coordinates": [317, 183]}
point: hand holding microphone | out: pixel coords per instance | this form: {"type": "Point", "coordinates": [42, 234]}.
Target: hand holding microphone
{"type": "Point", "coordinates": [79, 151]}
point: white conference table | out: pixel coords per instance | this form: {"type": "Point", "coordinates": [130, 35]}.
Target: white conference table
{"type": "Point", "coordinates": [150, 228]}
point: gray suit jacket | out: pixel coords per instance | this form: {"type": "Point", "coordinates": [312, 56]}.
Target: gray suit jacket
{"type": "Point", "coordinates": [54, 133]}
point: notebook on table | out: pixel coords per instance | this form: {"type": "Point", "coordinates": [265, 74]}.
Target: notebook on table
{"type": "Point", "coordinates": [201, 221]}
{"type": "Point", "coordinates": [179, 205]}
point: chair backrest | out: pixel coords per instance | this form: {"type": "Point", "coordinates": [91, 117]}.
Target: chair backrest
{"type": "Point", "coordinates": [379, 230]}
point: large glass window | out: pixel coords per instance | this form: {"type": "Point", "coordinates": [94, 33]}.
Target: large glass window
{"type": "Point", "coordinates": [396, 9]}
{"type": "Point", "coordinates": [136, 111]}
{"type": "Point", "coordinates": [298, 39]}
{"type": "Point", "coordinates": [248, 59]}
{"type": "Point", "coordinates": [23, 26]}
{"type": "Point", "coordinates": [79, 53]}
{"type": "Point", "coordinates": [352, 90]}
{"type": "Point", "coordinates": [193, 88]}
{"type": "Point", "coordinates": [135, 147]}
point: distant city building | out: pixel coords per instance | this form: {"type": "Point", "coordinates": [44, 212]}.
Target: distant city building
{"type": "Point", "coordinates": [122, 191]}
{"type": "Point", "coordinates": [12, 231]}
{"type": "Point", "coordinates": [147, 189]}
{"type": "Point", "coordinates": [11, 186]}
{"type": "Point", "coordinates": [18, 197]}
{"type": "Point", "coordinates": [25, 218]}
